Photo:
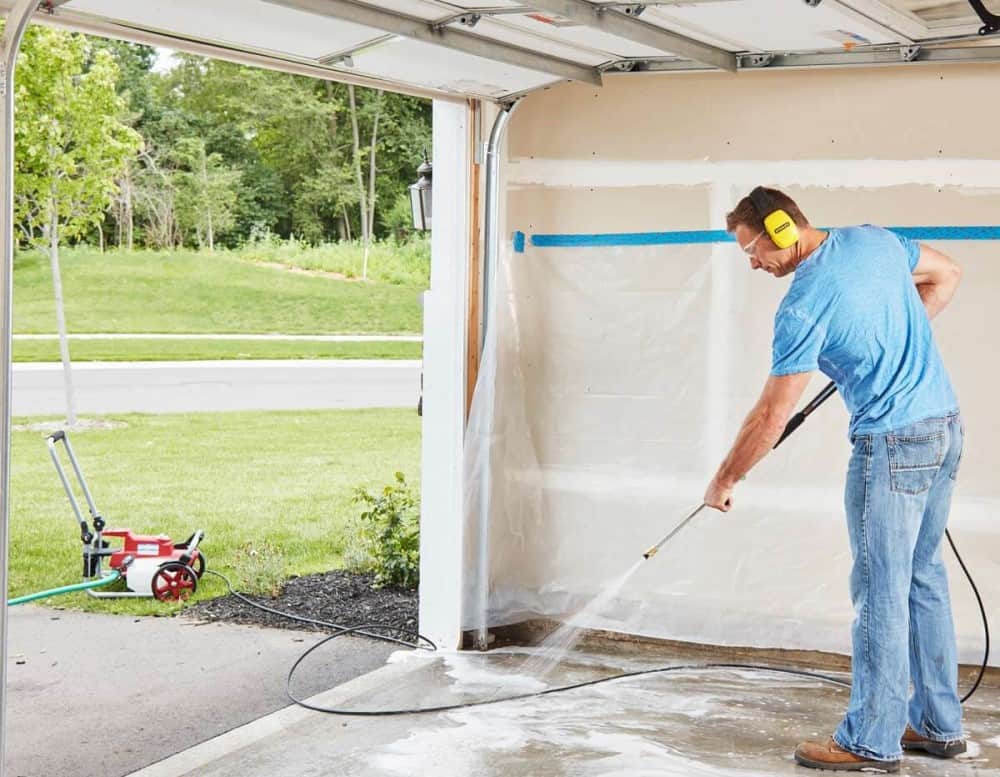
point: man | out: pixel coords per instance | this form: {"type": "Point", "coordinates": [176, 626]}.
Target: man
{"type": "Point", "coordinates": [859, 309]}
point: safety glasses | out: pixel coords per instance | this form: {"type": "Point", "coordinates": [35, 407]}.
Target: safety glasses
{"type": "Point", "coordinates": [750, 247]}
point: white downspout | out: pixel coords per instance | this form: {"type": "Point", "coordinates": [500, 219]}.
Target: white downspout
{"type": "Point", "coordinates": [492, 208]}
{"type": "Point", "coordinates": [490, 258]}
{"type": "Point", "coordinates": [17, 22]}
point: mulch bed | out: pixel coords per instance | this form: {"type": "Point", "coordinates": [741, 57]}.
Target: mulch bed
{"type": "Point", "coordinates": [344, 598]}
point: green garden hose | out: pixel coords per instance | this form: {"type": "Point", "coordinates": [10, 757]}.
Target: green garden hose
{"type": "Point", "coordinates": [66, 589]}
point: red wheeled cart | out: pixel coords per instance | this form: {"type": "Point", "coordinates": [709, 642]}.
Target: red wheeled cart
{"type": "Point", "coordinates": [161, 568]}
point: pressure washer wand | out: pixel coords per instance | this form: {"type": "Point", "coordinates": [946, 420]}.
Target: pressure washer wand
{"type": "Point", "coordinates": [652, 551]}
{"type": "Point", "coordinates": [793, 423]}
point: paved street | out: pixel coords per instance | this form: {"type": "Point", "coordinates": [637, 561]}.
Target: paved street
{"type": "Point", "coordinates": [176, 387]}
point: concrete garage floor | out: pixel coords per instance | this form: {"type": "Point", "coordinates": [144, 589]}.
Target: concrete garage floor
{"type": "Point", "coordinates": [718, 723]}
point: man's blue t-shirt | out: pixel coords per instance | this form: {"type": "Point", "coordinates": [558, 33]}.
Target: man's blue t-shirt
{"type": "Point", "coordinates": [854, 313]}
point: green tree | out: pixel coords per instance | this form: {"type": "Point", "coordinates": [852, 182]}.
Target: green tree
{"type": "Point", "coordinates": [261, 123]}
{"type": "Point", "coordinates": [297, 134]}
{"type": "Point", "coordinates": [72, 144]}
{"type": "Point", "coordinates": [206, 192]}
{"type": "Point", "coordinates": [393, 132]}
{"type": "Point", "coordinates": [153, 195]}
{"type": "Point", "coordinates": [315, 154]}
{"type": "Point", "coordinates": [137, 86]}
{"type": "Point", "coordinates": [292, 139]}
{"type": "Point", "coordinates": [323, 198]}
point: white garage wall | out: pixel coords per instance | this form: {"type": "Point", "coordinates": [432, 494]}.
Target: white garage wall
{"type": "Point", "coordinates": [623, 372]}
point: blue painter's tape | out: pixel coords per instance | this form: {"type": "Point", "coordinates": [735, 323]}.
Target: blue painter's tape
{"type": "Point", "coordinates": [519, 242]}
{"type": "Point", "coordinates": [949, 233]}
{"type": "Point", "coordinates": [704, 236]}
{"type": "Point", "coordinates": [630, 239]}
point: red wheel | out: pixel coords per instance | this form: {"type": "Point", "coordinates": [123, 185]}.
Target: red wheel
{"type": "Point", "coordinates": [174, 581]}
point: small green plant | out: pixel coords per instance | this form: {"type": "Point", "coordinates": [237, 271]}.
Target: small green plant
{"type": "Point", "coordinates": [260, 568]}
{"type": "Point", "coordinates": [357, 553]}
{"type": "Point", "coordinates": [386, 538]}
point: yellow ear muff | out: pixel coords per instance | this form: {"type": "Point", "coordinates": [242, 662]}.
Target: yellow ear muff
{"type": "Point", "coordinates": [781, 229]}
{"type": "Point", "coordinates": [777, 223]}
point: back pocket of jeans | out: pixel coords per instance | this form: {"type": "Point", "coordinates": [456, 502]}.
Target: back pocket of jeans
{"type": "Point", "coordinates": [914, 461]}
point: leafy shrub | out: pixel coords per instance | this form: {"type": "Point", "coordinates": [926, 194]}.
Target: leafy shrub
{"type": "Point", "coordinates": [385, 538]}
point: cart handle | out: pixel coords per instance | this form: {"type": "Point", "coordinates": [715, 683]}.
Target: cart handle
{"type": "Point", "coordinates": [51, 441]}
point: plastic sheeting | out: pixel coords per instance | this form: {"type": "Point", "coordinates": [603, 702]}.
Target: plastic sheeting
{"type": "Point", "coordinates": [612, 384]}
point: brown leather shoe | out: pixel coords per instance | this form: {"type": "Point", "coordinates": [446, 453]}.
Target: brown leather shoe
{"type": "Point", "coordinates": [911, 740]}
{"type": "Point", "coordinates": [829, 755]}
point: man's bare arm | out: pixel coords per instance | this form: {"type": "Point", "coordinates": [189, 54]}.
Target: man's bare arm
{"type": "Point", "coordinates": [760, 431]}
{"type": "Point", "coordinates": [937, 277]}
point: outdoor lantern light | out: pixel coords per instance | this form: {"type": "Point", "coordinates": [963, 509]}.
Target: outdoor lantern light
{"type": "Point", "coordinates": [420, 197]}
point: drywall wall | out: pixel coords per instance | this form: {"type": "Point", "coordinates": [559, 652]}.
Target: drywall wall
{"type": "Point", "coordinates": [622, 371]}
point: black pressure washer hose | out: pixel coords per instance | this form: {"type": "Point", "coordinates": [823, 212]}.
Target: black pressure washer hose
{"type": "Point", "coordinates": [421, 642]}
{"type": "Point", "coordinates": [367, 631]}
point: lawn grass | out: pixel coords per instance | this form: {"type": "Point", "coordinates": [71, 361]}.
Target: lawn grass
{"type": "Point", "coordinates": [189, 292]}
{"type": "Point", "coordinates": [280, 478]}
{"type": "Point", "coordinates": [196, 350]}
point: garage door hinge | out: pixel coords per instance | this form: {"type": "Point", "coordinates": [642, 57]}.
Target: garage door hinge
{"type": "Point", "coordinates": [991, 21]}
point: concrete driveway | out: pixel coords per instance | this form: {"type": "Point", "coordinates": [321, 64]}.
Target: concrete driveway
{"type": "Point", "coordinates": [101, 696]}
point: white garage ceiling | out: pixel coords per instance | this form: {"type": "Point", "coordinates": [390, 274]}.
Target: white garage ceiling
{"type": "Point", "coordinates": [457, 49]}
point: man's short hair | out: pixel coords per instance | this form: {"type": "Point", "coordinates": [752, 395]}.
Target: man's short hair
{"type": "Point", "coordinates": [746, 213]}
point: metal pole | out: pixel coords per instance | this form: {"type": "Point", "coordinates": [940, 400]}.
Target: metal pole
{"type": "Point", "coordinates": [653, 550]}
{"type": "Point", "coordinates": [492, 212]}
{"type": "Point", "coordinates": [490, 255]}
{"type": "Point", "coordinates": [13, 32]}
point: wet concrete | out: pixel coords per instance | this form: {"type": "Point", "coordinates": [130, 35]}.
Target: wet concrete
{"type": "Point", "coordinates": [691, 722]}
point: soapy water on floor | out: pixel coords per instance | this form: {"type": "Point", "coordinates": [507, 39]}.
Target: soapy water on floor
{"type": "Point", "coordinates": [601, 730]}
{"type": "Point", "coordinates": [555, 647]}
{"type": "Point", "coordinates": [695, 723]}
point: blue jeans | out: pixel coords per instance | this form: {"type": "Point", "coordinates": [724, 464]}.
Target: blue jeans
{"type": "Point", "coordinates": [897, 498]}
